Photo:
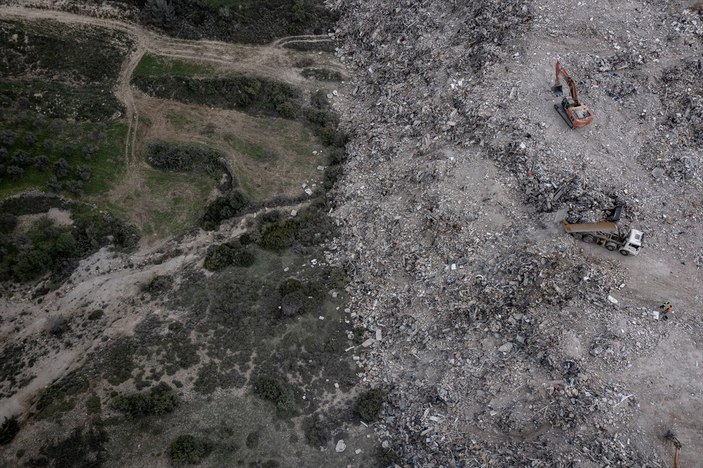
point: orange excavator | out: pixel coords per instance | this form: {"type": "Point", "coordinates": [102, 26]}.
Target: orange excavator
{"type": "Point", "coordinates": [574, 112]}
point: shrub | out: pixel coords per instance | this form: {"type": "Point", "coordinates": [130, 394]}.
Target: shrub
{"type": "Point", "coordinates": [16, 173]}
{"type": "Point", "coordinates": [188, 449]}
{"type": "Point", "coordinates": [7, 137]}
{"type": "Point", "coordinates": [292, 303]}
{"type": "Point", "coordinates": [22, 159]}
{"type": "Point", "coordinates": [181, 158]}
{"type": "Point", "coordinates": [234, 204]}
{"type": "Point", "coordinates": [321, 74]}
{"type": "Point", "coordinates": [387, 457]}
{"type": "Point", "coordinates": [8, 223]}
{"type": "Point", "coordinates": [368, 405]}
{"type": "Point", "coordinates": [31, 265]}
{"type": "Point", "coordinates": [41, 162]}
{"type": "Point", "coordinates": [84, 172]}
{"type": "Point", "coordinates": [80, 449]}
{"type": "Point", "coordinates": [231, 253]}
{"type": "Point", "coordinates": [75, 187]}
{"type": "Point", "coordinates": [158, 12]}
{"type": "Point", "coordinates": [162, 399]}
{"type": "Point", "coordinates": [278, 236]}
{"type": "Point", "coordinates": [89, 151]}
{"type": "Point", "coordinates": [49, 145]}
{"type": "Point", "coordinates": [271, 389]}
{"type": "Point", "coordinates": [8, 430]}
{"type": "Point", "coordinates": [29, 139]}
{"type": "Point", "coordinates": [61, 168]}
{"type": "Point", "coordinates": [96, 314]}
{"type": "Point", "coordinates": [289, 285]}
{"type": "Point", "coordinates": [92, 405]}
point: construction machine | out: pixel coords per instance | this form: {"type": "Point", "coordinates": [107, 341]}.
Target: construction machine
{"type": "Point", "coordinates": [671, 437]}
{"type": "Point", "coordinates": [574, 112]}
{"type": "Point", "coordinates": [608, 234]}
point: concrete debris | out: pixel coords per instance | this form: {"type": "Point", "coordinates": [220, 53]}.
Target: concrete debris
{"type": "Point", "coordinates": [455, 173]}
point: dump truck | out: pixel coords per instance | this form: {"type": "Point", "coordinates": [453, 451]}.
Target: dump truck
{"type": "Point", "coordinates": [607, 234]}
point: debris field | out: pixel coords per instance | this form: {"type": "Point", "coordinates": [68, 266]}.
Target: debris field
{"type": "Point", "coordinates": [501, 340]}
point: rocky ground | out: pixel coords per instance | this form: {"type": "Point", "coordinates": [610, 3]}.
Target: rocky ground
{"type": "Point", "coordinates": [503, 341]}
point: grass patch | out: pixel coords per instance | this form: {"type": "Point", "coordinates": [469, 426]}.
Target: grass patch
{"type": "Point", "coordinates": [178, 120]}
{"type": "Point", "coordinates": [176, 201]}
{"type": "Point", "coordinates": [255, 151]}
{"type": "Point", "coordinates": [155, 65]}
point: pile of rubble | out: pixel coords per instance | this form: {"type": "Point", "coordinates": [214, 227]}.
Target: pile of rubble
{"type": "Point", "coordinates": [487, 326]}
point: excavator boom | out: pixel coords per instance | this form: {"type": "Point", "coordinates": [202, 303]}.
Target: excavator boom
{"type": "Point", "coordinates": [561, 71]}
{"type": "Point", "coordinates": [574, 112]}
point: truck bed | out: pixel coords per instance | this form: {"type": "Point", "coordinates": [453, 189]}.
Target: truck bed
{"type": "Point", "coordinates": [602, 226]}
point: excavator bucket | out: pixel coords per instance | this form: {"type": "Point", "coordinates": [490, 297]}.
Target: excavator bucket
{"type": "Point", "coordinates": [558, 90]}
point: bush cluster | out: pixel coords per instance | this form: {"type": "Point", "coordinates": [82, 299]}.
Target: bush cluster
{"type": "Point", "coordinates": [233, 204]}
{"type": "Point", "coordinates": [8, 430]}
{"type": "Point", "coordinates": [251, 22]}
{"type": "Point", "coordinates": [182, 157]}
{"type": "Point", "coordinates": [160, 400]}
{"type": "Point", "coordinates": [188, 449]}
{"type": "Point", "coordinates": [231, 253]}
{"type": "Point", "coordinates": [275, 391]}
{"type": "Point", "coordinates": [321, 74]}
{"type": "Point", "coordinates": [368, 405]}
{"type": "Point", "coordinates": [254, 95]}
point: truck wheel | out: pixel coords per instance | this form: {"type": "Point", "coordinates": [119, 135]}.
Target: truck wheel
{"type": "Point", "coordinates": [610, 246]}
{"type": "Point", "coordinates": [587, 238]}
{"type": "Point", "coordinates": [624, 252]}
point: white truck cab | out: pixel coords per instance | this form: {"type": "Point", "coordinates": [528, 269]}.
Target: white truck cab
{"type": "Point", "coordinates": [633, 243]}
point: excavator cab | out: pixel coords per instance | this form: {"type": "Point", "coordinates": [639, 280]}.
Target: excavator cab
{"type": "Point", "coordinates": [574, 112]}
